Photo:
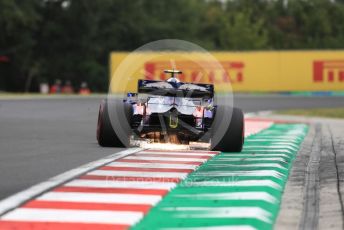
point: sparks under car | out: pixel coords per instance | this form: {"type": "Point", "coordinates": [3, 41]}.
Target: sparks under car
{"type": "Point", "coordinates": [170, 111]}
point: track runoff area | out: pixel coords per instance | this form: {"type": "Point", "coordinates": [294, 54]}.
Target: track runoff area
{"type": "Point", "coordinates": [158, 189]}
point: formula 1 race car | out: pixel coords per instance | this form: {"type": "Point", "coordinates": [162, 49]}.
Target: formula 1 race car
{"type": "Point", "coordinates": [170, 111]}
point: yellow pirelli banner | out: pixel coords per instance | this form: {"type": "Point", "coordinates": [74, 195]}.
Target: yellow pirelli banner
{"type": "Point", "coordinates": [274, 71]}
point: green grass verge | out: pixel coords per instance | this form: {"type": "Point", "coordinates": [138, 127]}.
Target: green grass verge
{"type": "Point", "coordinates": [319, 112]}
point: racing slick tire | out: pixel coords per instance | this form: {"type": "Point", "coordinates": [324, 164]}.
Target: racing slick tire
{"type": "Point", "coordinates": [233, 138]}
{"type": "Point", "coordinates": [106, 135]}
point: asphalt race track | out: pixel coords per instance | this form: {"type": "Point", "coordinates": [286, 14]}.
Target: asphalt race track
{"type": "Point", "coordinates": [41, 138]}
{"type": "Point", "coordinates": [179, 188]}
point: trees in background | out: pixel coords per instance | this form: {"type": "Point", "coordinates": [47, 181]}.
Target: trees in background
{"type": "Point", "coordinates": [18, 23]}
{"type": "Point", "coordinates": [44, 40]}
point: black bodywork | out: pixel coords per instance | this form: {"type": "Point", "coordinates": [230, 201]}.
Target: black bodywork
{"type": "Point", "coordinates": [176, 118]}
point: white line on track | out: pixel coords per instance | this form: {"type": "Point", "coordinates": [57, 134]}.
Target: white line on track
{"type": "Point", "coordinates": [280, 137]}
{"type": "Point", "coordinates": [281, 143]}
{"type": "Point", "coordinates": [250, 159]}
{"type": "Point", "coordinates": [79, 216]}
{"type": "Point", "coordinates": [189, 151]}
{"type": "Point", "coordinates": [268, 151]}
{"type": "Point", "coordinates": [122, 184]}
{"type": "Point", "coordinates": [221, 212]}
{"type": "Point", "coordinates": [259, 165]}
{"type": "Point", "coordinates": [269, 140]}
{"type": "Point", "coordinates": [112, 173]}
{"type": "Point", "coordinates": [153, 165]}
{"type": "Point", "coordinates": [243, 183]}
{"type": "Point", "coordinates": [254, 155]}
{"type": "Point", "coordinates": [175, 153]}
{"type": "Point", "coordinates": [222, 227]}
{"type": "Point", "coordinates": [248, 173]}
{"type": "Point", "coordinates": [231, 196]}
{"type": "Point", "coordinates": [165, 158]}
{"type": "Point", "coordinates": [270, 147]}
{"type": "Point", "coordinates": [100, 198]}
{"type": "Point", "coordinates": [278, 143]}
{"type": "Point", "coordinates": [19, 198]}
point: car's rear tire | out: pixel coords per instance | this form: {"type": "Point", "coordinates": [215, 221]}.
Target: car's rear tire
{"type": "Point", "coordinates": [233, 138]}
{"type": "Point", "coordinates": [106, 135]}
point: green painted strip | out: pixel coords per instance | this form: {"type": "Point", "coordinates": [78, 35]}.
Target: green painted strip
{"type": "Point", "coordinates": [232, 190]}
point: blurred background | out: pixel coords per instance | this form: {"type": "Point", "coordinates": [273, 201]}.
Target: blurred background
{"type": "Point", "coordinates": [66, 44]}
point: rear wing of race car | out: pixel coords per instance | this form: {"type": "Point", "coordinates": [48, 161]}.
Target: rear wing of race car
{"type": "Point", "coordinates": [175, 89]}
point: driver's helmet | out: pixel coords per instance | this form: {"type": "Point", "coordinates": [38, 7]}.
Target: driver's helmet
{"type": "Point", "coordinates": [173, 80]}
